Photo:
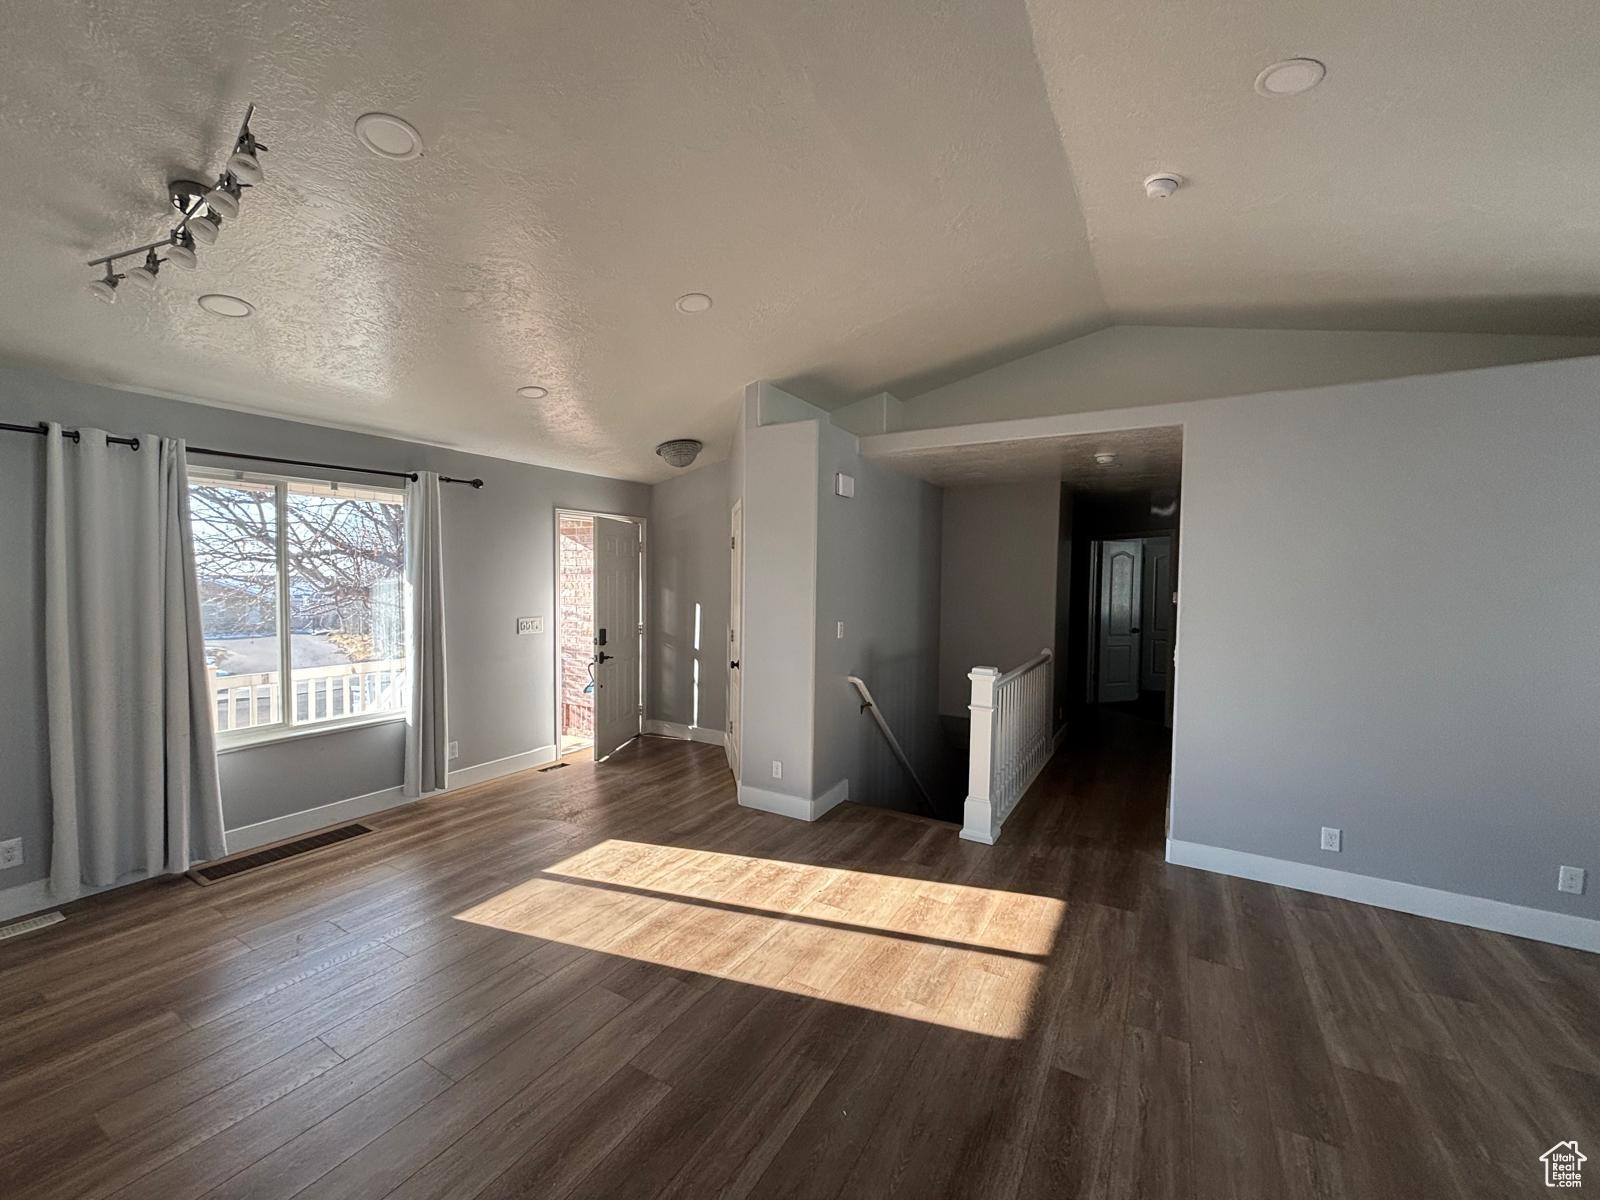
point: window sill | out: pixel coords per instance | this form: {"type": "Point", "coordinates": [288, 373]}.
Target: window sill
{"type": "Point", "coordinates": [295, 733]}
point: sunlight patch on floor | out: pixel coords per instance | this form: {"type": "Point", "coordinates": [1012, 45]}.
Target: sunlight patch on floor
{"type": "Point", "coordinates": [964, 957]}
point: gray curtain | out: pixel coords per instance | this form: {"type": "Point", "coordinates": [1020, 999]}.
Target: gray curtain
{"type": "Point", "coordinates": [426, 759]}
{"type": "Point", "coordinates": [133, 766]}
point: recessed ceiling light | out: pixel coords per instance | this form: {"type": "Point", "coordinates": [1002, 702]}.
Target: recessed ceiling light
{"type": "Point", "coordinates": [389, 136]}
{"type": "Point", "coordinates": [1105, 458]}
{"type": "Point", "coordinates": [1290, 77]}
{"type": "Point", "coordinates": [533, 392]}
{"type": "Point", "coordinates": [219, 305]}
{"type": "Point", "coordinates": [694, 302]}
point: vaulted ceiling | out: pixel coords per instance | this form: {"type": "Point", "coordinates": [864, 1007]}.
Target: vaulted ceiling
{"type": "Point", "coordinates": [876, 196]}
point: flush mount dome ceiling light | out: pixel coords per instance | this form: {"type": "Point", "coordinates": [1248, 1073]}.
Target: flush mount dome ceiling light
{"type": "Point", "coordinates": [533, 392]}
{"type": "Point", "coordinates": [389, 136]}
{"type": "Point", "coordinates": [680, 452]}
{"type": "Point", "coordinates": [693, 302]}
{"type": "Point", "coordinates": [203, 207]}
{"type": "Point", "coordinates": [219, 305]}
{"type": "Point", "coordinates": [1290, 77]}
{"type": "Point", "coordinates": [1159, 187]}
{"type": "Point", "coordinates": [1105, 458]}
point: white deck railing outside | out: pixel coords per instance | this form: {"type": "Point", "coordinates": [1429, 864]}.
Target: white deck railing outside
{"type": "Point", "coordinates": [1011, 741]}
{"type": "Point", "coordinates": [321, 693]}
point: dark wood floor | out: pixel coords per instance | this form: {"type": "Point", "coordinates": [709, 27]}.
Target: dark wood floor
{"type": "Point", "coordinates": [612, 981]}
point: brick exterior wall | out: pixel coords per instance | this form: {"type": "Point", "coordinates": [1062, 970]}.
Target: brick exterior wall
{"type": "Point", "coordinates": [577, 625]}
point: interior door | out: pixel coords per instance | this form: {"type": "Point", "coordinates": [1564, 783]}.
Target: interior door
{"type": "Point", "coordinates": [616, 634]}
{"type": "Point", "coordinates": [735, 637]}
{"type": "Point", "coordinates": [1158, 625]}
{"type": "Point", "coordinates": [1121, 565]}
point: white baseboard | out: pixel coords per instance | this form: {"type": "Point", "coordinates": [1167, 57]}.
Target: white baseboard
{"type": "Point", "coordinates": [1561, 929]}
{"type": "Point", "coordinates": [685, 733]}
{"type": "Point", "coordinates": [248, 837]}
{"type": "Point", "coordinates": [794, 806]}
{"type": "Point", "coordinates": [31, 897]}
{"type": "Point", "coordinates": [497, 767]}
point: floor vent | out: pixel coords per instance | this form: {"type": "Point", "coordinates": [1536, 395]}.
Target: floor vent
{"type": "Point", "coordinates": [223, 868]}
{"type": "Point", "coordinates": [551, 767]}
{"type": "Point", "coordinates": [18, 928]}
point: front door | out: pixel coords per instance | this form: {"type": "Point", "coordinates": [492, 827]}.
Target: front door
{"type": "Point", "coordinates": [1120, 569]}
{"type": "Point", "coordinates": [616, 634]}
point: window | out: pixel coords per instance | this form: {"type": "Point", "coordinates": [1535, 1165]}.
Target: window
{"type": "Point", "coordinates": [302, 595]}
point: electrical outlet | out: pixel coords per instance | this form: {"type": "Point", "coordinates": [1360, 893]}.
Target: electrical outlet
{"type": "Point", "coordinates": [1330, 839]}
{"type": "Point", "coordinates": [1568, 879]}
{"type": "Point", "coordinates": [777, 769]}
{"type": "Point", "coordinates": [11, 854]}
{"type": "Point", "coordinates": [453, 750]}
{"type": "Point", "coordinates": [527, 625]}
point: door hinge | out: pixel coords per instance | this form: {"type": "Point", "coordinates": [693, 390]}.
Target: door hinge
{"type": "Point", "coordinates": [733, 543]}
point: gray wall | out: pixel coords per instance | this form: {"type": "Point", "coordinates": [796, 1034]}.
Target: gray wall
{"type": "Point", "coordinates": [998, 570]}
{"type": "Point", "coordinates": [689, 560]}
{"type": "Point", "coordinates": [499, 559]}
{"type": "Point", "coordinates": [1389, 624]}
{"type": "Point", "coordinates": [878, 572]}
{"type": "Point", "coordinates": [780, 613]}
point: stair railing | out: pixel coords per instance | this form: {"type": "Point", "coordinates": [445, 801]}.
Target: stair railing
{"type": "Point", "coordinates": [1011, 742]}
{"type": "Point", "coordinates": [868, 704]}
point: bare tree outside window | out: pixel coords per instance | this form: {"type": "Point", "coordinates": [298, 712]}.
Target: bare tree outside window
{"type": "Point", "coordinates": [342, 575]}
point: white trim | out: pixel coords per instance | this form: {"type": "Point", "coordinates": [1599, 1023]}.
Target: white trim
{"type": "Point", "coordinates": [497, 767]}
{"type": "Point", "coordinates": [1561, 929]}
{"type": "Point", "coordinates": [794, 806]}
{"type": "Point", "coordinates": [270, 735]}
{"type": "Point", "coordinates": [685, 733]}
{"type": "Point", "coordinates": [248, 837]}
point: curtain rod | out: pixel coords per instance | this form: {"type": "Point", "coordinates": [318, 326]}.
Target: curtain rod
{"type": "Point", "coordinates": [42, 428]}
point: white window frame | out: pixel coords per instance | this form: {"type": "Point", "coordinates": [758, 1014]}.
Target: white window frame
{"type": "Point", "coordinates": [285, 728]}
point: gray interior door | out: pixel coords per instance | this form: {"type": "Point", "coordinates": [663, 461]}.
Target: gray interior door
{"type": "Point", "coordinates": [1121, 567]}
{"type": "Point", "coordinates": [1158, 626]}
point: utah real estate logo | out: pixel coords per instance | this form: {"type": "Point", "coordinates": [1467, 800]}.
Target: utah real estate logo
{"type": "Point", "coordinates": [1563, 1165]}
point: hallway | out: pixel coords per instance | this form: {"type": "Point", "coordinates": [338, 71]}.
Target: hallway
{"type": "Point", "coordinates": [613, 981]}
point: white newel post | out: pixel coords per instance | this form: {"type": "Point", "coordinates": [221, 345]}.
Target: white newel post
{"type": "Point", "coordinates": [978, 814]}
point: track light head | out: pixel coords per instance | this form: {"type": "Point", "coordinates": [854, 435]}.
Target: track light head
{"type": "Point", "coordinates": [181, 253]}
{"type": "Point", "coordinates": [205, 228]}
{"type": "Point", "coordinates": [144, 278]}
{"type": "Point", "coordinates": [224, 201]}
{"type": "Point", "coordinates": [245, 165]}
{"type": "Point", "coordinates": [106, 289]}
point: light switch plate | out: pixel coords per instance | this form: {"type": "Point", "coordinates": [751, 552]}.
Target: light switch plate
{"type": "Point", "coordinates": [527, 625]}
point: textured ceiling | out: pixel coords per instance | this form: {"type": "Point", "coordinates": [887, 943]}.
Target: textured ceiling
{"type": "Point", "coordinates": [878, 196]}
{"type": "Point", "coordinates": [1145, 459]}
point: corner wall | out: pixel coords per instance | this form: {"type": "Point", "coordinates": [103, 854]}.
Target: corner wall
{"type": "Point", "coordinates": [689, 568]}
{"type": "Point", "coordinates": [878, 569]}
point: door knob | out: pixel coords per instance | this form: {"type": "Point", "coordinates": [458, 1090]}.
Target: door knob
{"type": "Point", "coordinates": [603, 657]}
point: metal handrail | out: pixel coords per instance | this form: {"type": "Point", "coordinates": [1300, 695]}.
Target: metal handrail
{"type": "Point", "coordinates": [868, 704]}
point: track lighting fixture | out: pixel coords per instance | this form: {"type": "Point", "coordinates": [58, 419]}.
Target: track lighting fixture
{"type": "Point", "coordinates": [204, 208]}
